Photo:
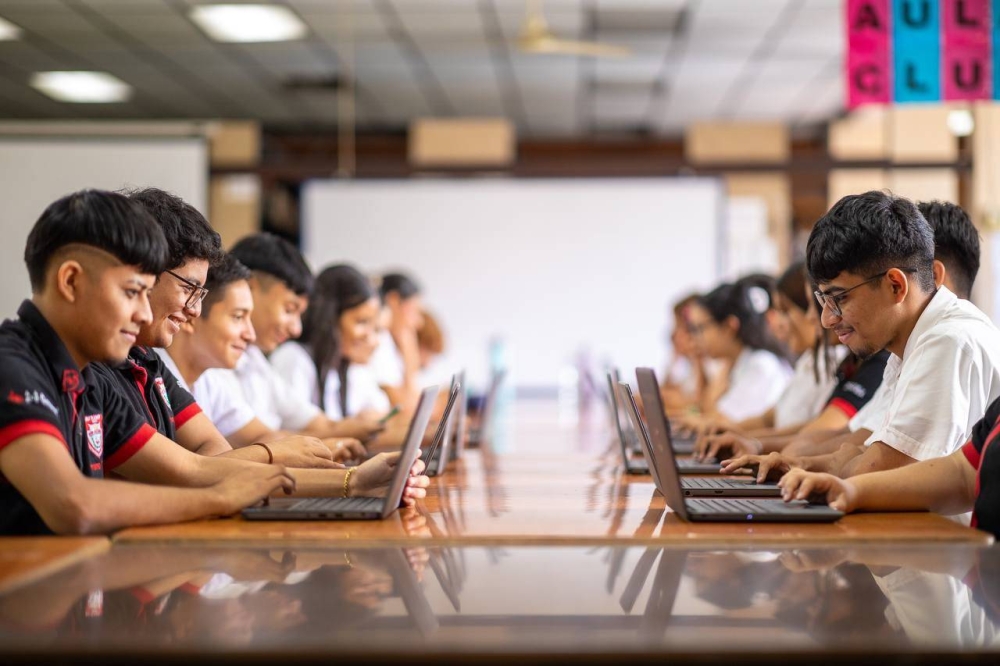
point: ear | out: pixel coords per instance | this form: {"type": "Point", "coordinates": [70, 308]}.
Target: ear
{"type": "Point", "coordinates": [940, 273]}
{"type": "Point", "coordinates": [732, 323]}
{"type": "Point", "coordinates": [69, 276]}
{"type": "Point", "coordinates": [899, 283]}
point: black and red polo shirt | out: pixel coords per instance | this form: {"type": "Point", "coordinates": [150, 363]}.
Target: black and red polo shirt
{"type": "Point", "coordinates": [43, 392]}
{"type": "Point", "coordinates": [983, 453]}
{"type": "Point", "coordinates": [857, 382]}
{"type": "Point", "coordinates": [146, 383]}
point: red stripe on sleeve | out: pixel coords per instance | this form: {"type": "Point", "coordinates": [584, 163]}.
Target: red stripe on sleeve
{"type": "Point", "coordinates": [844, 406]}
{"type": "Point", "coordinates": [970, 453]}
{"type": "Point", "coordinates": [131, 447]}
{"type": "Point", "coordinates": [21, 429]}
{"type": "Point", "coordinates": [186, 415]}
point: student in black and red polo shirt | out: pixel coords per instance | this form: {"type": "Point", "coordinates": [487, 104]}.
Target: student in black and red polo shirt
{"type": "Point", "coordinates": [92, 257]}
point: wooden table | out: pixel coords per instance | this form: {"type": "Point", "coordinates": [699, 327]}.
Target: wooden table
{"type": "Point", "coordinates": [24, 560]}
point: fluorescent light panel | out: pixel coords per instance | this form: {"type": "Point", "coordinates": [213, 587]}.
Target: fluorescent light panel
{"type": "Point", "coordinates": [8, 30]}
{"type": "Point", "coordinates": [248, 23]}
{"type": "Point", "coordinates": [82, 87]}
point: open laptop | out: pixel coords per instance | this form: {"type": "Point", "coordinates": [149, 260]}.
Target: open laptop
{"type": "Point", "coordinates": [439, 452]}
{"type": "Point", "coordinates": [478, 435]}
{"type": "Point", "coordinates": [458, 446]}
{"type": "Point", "coordinates": [694, 487]}
{"type": "Point", "coordinates": [645, 464]}
{"type": "Point", "coordinates": [358, 508]}
{"type": "Point", "coordinates": [624, 426]}
{"type": "Point", "coordinates": [717, 510]}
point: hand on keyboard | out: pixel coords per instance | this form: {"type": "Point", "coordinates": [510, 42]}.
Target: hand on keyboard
{"type": "Point", "coordinates": [769, 467]}
{"type": "Point", "coordinates": [839, 493]}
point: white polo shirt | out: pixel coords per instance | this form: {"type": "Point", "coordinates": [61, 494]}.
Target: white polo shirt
{"type": "Point", "coordinates": [269, 395]}
{"type": "Point", "coordinates": [756, 381]}
{"type": "Point", "coordinates": [949, 374]}
{"type": "Point", "coordinates": [804, 398]}
{"type": "Point", "coordinates": [386, 363]}
{"type": "Point", "coordinates": [296, 367]}
{"type": "Point", "coordinates": [220, 396]}
{"type": "Point", "coordinates": [872, 414]}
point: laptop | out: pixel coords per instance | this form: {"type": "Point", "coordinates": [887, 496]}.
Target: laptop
{"type": "Point", "coordinates": [645, 464]}
{"type": "Point", "coordinates": [624, 426]}
{"type": "Point", "coordinates": [716, 510]}
{"type": "Point", "coordinates": [696, 487]}
{"type": "Point", "coordinates": [478, 435]}
{"type": "Point", "coordinates": [439, 451]}
{"type": "Point", "coordinates": [458, 447]}
{"type": "Point", "coordinates": [357, 508]}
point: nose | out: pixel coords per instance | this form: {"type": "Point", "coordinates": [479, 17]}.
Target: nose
{"type": "Point", "coordinates": [295, 330]}
{"type": "Point", "coordinates": [144, 315]}
{"type": "Point", "coordinates": [827, 317]}
{"type": "Point", "coordinates": [193, 311]}
{"type": "Point", "coordinates": [248, 333]}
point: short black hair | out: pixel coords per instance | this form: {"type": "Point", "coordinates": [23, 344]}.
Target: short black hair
{"type": "Point", "coordinates": [189, 235]}
{"type": "Point", "coordinates": [398, 283]}
{"type": "Point", "coordinates": [223, 273]}
{"type": "Point", "coordinates": [275, 256]}
{"type": "Point", "coordinates": [870, 233]}
{"type": "Point", "coordinates": [956, 242]}
{"type": "Point", "coordinates": [105, 220]}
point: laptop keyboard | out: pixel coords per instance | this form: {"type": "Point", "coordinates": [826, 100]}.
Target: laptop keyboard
{"type": "Point", "coordinates": [339, 504]}
{"type": "Point", "coordinates": [710, 483]}
{"type": "Point", "coordinates": [743, 506]}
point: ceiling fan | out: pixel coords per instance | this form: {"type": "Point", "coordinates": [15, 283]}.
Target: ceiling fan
{"type": "Point", "coordinates": [537, 38]}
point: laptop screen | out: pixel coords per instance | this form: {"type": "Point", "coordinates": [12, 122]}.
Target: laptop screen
{"type": "Point", "coordinates": [414, 436]}
{"type": "Point", "coordinates": [659, 440]}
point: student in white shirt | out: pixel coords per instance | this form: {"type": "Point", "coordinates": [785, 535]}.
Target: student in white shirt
{"type": "Point", "coordinates": [327, 365]}
{"type": "Point", "coordinates": [280, 283]}
{"type": "Point", "coordinates": [396, 361]}
{"type": "Point", "coordinates": [217, 339]}
{"type": "Point", "coordinates": [872, 256]}
{"type": "Point", "coordinates": [729, 324]}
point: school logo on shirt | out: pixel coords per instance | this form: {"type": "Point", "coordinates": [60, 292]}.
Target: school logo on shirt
{"type": "Point", "coordinates": [95, 433]}
{"type": "Point", "coordinates": [161, 387]}
{"type": "Point", "coordinates": [855, 388]}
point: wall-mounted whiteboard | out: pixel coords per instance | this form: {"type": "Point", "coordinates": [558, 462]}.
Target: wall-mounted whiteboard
{"type": "Point", "coordinates": [553, 267]}
{"type": "Point", "coordinates": [37, 171]}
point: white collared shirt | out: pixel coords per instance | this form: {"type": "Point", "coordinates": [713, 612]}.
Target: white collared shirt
{"type": "Point", "coordinates": [269, 395]}
{"type": "Point", "coordinates": [756, 381]}
{"type": "Point", "coordinates": [386, 363]}
{"type": "Point", "coordinates": [220, 396]}
{"type": "Point", "coordinates": [949, 374]}
{"type": "Point", "coordinates": [804, 398]}
{"type": "Point", "coordinates": [296, 367]}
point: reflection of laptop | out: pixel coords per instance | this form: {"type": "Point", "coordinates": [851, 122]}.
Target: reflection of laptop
{"type": "Point", "coordinates": [358, 508]}
{"type": "Point", "coordinates": [411, 592]}
{"type": "Point", "coordinates": [645, 466]}
{"type": "Point", "coordinates": [723, 510]}
{"type": "Point", "coordinates": [458, 447]}
{"type": "Point", "coordinates": [478, 435]}
{"type": "Point", "coordinates": [696, 487]}
{"type": "Point", "coordinates": [439, 451]}
{"type": "Point", "coordinates": [683, 446]}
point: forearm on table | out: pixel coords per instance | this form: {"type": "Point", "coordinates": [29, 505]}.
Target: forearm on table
{"type": "Point", "coordinates": [943, 485]}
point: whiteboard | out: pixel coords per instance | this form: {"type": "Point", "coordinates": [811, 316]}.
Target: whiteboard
{"type": "Point", "coordinates": [551, 267]}
{"type": "Point", "coordinates": [37, 171]}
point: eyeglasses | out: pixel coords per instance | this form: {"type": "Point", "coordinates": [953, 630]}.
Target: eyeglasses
{"type": "Point", "coordinates": [832, 301]}
{"type": "Point", "coordinates": [196, 293]}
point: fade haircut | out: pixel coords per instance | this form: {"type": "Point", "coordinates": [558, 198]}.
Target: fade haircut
{"type": "Point", "coordinates": [276, 257]}
{"type": "Point", "coordinates": [189, 235]}
{"type": "Point", "coordinates": [226, 271]}
{"type": "Point", "coordinates": [956, 243]}
{"type": "Point", "coordinates": [868, 234]}
{"type": "Point", "coordinates": [96, 218]}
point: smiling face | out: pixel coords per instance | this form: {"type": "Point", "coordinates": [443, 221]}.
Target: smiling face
{"type": "Point", "coordinates": [277, 312]}
{"type": "Point", "coordinates": [359, 329]}
{"type": "Point", "coordinates": [115, 307]}
{"type": "Point", "coordinates": [168, 300]}
{"type": "Point", "coordinates": [868, 315]}
{"type": "Point", "coordinates": [712, 339]}
{"type": "Point", "coordinates": [221, 336]}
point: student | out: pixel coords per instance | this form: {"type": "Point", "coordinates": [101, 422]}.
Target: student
{"type": "Point", "coordinates": [396, 362]}
{"type": "Point", "coordinates": [280, 284]}
{"type": "Point", "coordinates": [872, 257]}
{"type": "Point", "coordinates": [431, 349]}
{"type": "Point", "coordinates": [61, 427]}
{"type": "Point", "coordinates": [327, 365]}
{"type": "Point", "coordinates": [175, 299]}
{"type": "Point", "coordinates": [729, 324]}
{"type": "Point", "coordinates": [686, 376]}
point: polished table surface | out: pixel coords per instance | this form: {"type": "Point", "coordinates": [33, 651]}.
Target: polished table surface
{"type": "Point", "coordinates": [24, 559]}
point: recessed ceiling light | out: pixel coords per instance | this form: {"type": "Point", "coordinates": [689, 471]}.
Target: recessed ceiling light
{"type": "Point", "coordinates": [8, 30]}
{"type": "Point", "coordinates": [248, 23]}
{"type": "Point", "coordinates": [960, 122]}
{"type": "Point", "coordinates": [82, 87]}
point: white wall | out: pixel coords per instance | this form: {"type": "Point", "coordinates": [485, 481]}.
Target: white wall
{"type": "Point", "coordinates": [37, 171]}
{"type": "Point", "coordinates": [551, 266]}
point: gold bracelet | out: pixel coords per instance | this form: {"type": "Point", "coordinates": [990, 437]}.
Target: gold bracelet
{"type": "Point", "coordinates": [347, 478]}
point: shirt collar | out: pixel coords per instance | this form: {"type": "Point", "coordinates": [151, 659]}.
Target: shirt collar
{"type": "Point", "coordinates": [932, 314]}
{"type": "Point", "coordinates": [64, 368]}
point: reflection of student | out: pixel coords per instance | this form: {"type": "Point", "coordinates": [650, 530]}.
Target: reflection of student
{"type": "Point", "coordinates": [872, 257]}
{"type": "Point", "coordinates": [327, 365]}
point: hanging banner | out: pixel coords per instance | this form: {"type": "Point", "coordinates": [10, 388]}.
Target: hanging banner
{"type": "Point", "coordinates": [916, 42]}
{"type": "Point", "coordinates": [869, 75]}
{"type": "Point", "coordinates": [968, 60]}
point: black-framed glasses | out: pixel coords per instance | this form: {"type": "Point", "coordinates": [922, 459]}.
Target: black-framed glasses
{"type": "Point", "coordinates": [832, 301]}
{"type": "Point", "coordinates": [196, 293]}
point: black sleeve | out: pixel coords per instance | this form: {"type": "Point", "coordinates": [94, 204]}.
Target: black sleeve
{"type": "Point", "coordinates": [126, 430]}
{"type": "Point", "coordinates": [29, 404]}
{"type": "Point", "coordinates": [981, 431]}
{"type": "Point", "coordinates": [854, 390]}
